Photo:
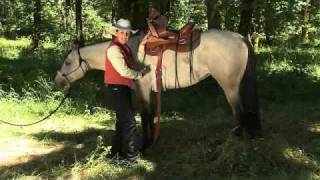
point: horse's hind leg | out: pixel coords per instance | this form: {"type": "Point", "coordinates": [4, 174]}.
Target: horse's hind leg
{"type": "Point", "coordinates": [249, 106]}
{"type": "Point", "coordinates": [233, 97]}
{"type": "Point", "coordinates": [249, 116]}
{"type": "Point", "coordinates": [243, 98]}
{"type": "Point", "coordinates": [244, 110]}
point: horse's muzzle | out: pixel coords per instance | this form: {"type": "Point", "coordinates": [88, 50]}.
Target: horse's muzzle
{"type": "Point", "coordinates": [61, 81]}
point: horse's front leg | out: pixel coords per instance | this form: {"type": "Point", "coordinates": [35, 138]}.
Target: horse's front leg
{"type": "Point", "coordinates": [147, 117]}
{"type": "Point", "coordinates": [143, 97]}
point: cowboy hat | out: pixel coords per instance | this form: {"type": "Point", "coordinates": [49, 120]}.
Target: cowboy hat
{"type": "Point", "coordinates": [122, 25]}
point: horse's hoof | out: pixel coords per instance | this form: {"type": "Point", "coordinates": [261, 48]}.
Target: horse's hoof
{"type": "Point", "coordinates": [237, 131]}
{"type": "Point", "coordinates": [145, 146]}
{"type": "Point", "coordinates": [155, 141]}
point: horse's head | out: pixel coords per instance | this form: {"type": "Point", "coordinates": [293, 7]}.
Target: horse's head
{"type": "Point", "coordinates": [73, 68]}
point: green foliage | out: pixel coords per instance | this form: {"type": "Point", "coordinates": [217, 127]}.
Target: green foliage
{"type": "Point", "coordinates": [11, 49]}
{"type": "Point", "coordinates": [231, 13]}
{"type": "Point", "coordinates": [16, 18]}
{"type": "Point", "coordinates": [277, 22]}
{"type": "Point", "coordinates": [195, 141]}
{"type": "Point", "coordinates": [94, 26]}
{"type": "Point", "coordinates": [188, 10]}
{"type": "Point", "coordinates": [282, 21]}
{"type": "Point", "coordinates": [18, 21]}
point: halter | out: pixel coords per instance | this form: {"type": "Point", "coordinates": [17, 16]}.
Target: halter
{"type": "Point", "coordinates": [81, 60]}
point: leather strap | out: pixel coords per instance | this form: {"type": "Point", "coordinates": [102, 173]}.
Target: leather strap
{"type": "Point", "coordinates": [159, 83]}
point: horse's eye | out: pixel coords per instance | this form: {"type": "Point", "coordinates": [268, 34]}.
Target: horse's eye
{"type": "Point", "coordinates": [67, 63]}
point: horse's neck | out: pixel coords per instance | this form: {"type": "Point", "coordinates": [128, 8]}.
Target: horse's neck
{"type": "Point", "coordinates": [95, 55]}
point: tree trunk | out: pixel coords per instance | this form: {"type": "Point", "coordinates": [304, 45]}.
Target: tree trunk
{"type": "Point", "coordinates": [36, 24]}
{"type": "Point", "coordinates": [67, 8]}
{"type": "Point", "coordinates": [247, 8]}
{"type": "Point", "coordinates": [79, 32]}
{"type": "Point", "coordinates": [305, 26]}
{"type": "Point", "coordinates": [139, 14]}
{"type": "Point", "coordinates": [2, 16]}
{"type": "Point", "coordinates": [115, 10]}
{"type": "Point", "coordinates": [213, 13]}
{"type": "Point", "coordinates": [123, 9]}
{"type": "Point", "coordinates": [163, 6]}
{"type": "Point", "coordinates": [136, 11]}
{"type": "Point", "coordinates": [268, 21]}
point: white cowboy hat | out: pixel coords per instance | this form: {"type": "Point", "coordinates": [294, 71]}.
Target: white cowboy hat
{"type": "Point", "coordinates": [122, 25]}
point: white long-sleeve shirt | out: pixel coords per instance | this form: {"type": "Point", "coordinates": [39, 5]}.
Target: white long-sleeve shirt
{"type": "Point", "coordinates": [118, 62]}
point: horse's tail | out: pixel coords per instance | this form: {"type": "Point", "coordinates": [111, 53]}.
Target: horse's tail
{"type": "Point", "coordinates": [249, 108]}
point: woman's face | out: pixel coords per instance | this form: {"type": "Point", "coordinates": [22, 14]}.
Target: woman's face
{"type": "Point", "coordinates": [123, 36]}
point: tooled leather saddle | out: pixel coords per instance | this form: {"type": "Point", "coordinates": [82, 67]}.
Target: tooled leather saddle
{"type": "Point", "coordinates": [183, 40]}
{"type": "Point", "coordinates": [161, 39]}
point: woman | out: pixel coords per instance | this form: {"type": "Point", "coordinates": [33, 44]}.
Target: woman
{"type": "Point", "coordinates": [120, 76]}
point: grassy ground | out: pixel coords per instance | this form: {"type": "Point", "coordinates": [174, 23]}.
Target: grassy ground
{"type": "Point", "coordinates": [195, 129]}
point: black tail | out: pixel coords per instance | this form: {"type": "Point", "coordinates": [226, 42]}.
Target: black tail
{"type": "Point", "coordinates": [249, 108]}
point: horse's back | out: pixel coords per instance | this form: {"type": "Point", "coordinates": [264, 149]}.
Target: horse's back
{"type": "Point", "coordinates": [224, 39]}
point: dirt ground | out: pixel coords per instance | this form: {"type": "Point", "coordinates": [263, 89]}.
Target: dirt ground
{"type": "Point", "coordinates": [15, 151]}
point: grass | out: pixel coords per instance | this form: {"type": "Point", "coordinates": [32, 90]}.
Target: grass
{"type": "Point", "coordinates": [195, 128]}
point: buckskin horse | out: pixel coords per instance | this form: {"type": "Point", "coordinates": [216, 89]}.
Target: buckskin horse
{"type": "Point", "coordinates": [224, 55]}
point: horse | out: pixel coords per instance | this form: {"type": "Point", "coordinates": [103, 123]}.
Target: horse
{"type": "Point", "coordinates": [226, 56]}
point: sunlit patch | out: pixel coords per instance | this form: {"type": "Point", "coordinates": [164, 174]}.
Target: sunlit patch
{"type": "Point", "coordinates": [149, 166]}
{"type": "Point", "coordinates": [299, 156]}
{"type": "Point", "coordinates": [314, 71]}
{"type": "Point", "coordinates": [15, 151]}
{"type": "Point", "coordinates": [175, 116]}
{"type": "Point", "coordinates": [314, 128]}
{"type": "Point", "coordinates": [103, 169]}
{"type": "Point", "coordinates": [280, 66]}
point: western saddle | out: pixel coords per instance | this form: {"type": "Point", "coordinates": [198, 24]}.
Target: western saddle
{"type": "Point", "coordinates": [159, 40]}
{"type": "Point", "coordinates": [186, 39]}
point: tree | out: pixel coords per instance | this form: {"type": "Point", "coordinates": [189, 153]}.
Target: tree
{"type": "Point", "coordinates": [306, 17]}
{"type": "Point", "coordinates": [136, 11]}
{"type": "Point", "coordinates": [213, 13]}
{"type": "Point", "coordinates": [245, 25]}
{"type": "Point", "coordinates": [163, 6]}
{"type": "Point", "coordinates": [66, 16]}
{"type": "Point", "coordinates": [36, 24]}
{"type": "Point", "coordinates": [115, 10]}
{"type": "Point", "coordinates": [79, 32]}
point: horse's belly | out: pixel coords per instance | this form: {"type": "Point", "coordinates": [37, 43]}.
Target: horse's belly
{"type": "Point", "coordinates": [184, 72]}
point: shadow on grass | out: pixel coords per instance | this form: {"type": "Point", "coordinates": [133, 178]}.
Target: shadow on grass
{"type": "Point", "coordinates": [192, 146]}
{"type": "Point", "coordinates": [77, 146]}
{"type": "Point", "coordinates": [199, 149]}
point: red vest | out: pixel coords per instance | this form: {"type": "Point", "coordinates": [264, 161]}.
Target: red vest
{"type": "Point", "coordinates": [111, 76]}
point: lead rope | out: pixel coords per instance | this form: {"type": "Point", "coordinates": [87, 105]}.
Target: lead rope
{"type": "Point", "coordinates": [44, 118]}
{"type": "Point", "coordinates": [191, 59]}
{"type": "Point", "coordinates": [176, 64]}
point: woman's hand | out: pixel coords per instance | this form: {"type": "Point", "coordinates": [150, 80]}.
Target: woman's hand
{"type": "Point", "coordinates": [145, 70]}
{"type": "Point", "coordinates": [145, 38]}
